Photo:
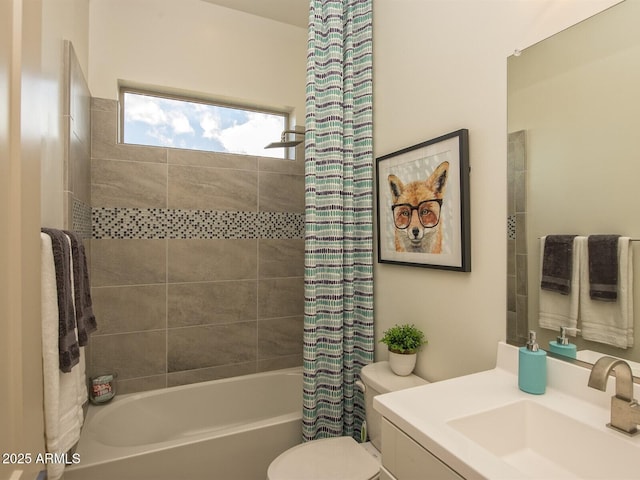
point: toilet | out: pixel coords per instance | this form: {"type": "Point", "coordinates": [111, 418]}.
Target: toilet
{"type": "Point", "coordinates": [342, 458]}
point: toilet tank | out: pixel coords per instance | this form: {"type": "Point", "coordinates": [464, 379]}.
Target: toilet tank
{"type": "Point", "coordinates": [378, 378]}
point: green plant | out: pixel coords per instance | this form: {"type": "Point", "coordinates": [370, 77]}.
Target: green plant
{"type": "Point", "coordinates": [403, 338]}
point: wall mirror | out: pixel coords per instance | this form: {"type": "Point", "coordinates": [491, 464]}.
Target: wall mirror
{"type": "Point", "coordinates": [574, 162]}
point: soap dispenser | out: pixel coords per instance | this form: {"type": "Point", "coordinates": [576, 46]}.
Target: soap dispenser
{"type": "Point", "coordinates": [532, 367]}
{"type": "Point", "coordinates": [561, 345]}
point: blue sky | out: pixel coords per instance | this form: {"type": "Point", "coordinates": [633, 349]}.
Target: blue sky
{"type": "Point", "coordinates": [166, 122]}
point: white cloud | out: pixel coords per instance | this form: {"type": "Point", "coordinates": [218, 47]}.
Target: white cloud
{"type": "Point", "coordinates": [251, 137]}
{"type": "Point", "coordinates": [180, 123]}
{"type": "Point", "coordinates": [210, 125]}
{"type": "Point", "coordinates": [145, 109]}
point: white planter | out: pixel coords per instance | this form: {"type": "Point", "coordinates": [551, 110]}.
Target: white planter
{"type": "Point", "coordinates": [402, 363]}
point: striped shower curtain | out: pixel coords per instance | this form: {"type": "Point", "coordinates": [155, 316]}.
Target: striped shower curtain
{"type": "Point", "coordinates": [338, 320]}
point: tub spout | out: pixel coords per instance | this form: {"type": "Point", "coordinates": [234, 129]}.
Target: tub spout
{"type": "Point", "coordinates": [625, 411]}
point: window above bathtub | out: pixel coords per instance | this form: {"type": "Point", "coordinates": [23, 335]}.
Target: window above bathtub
{"type": "Point", "coordinates": [162, 120]}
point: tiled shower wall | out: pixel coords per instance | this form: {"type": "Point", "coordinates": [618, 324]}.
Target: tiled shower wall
{"type": "Point", "coordinates": [77, 148]}
{"type": "Point", "coordinates": [197, 261]}
{"type": "Point", "coordinates": [517, 288]}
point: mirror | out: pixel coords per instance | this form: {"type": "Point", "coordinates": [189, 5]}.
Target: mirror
{"type": "Point", "coordinates": [574, 163]}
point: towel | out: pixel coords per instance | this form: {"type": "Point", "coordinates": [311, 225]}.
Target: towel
{"type": "Point", "coordinates": [85, 319]}
{"type": "Point", "coordinates": [556, 310]}
{"type": "Point", "coordinates": [64, 393]}
{"type": "Point", "coordinates": [609, 322]}
{"type": "Point", "coordinates": [603, 267]}
{"type": "Point", "coordinates": [557, 263]}
{"type": "Point", "coordinates": [68, 348]}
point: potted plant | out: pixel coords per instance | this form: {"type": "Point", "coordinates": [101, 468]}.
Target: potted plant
{"type": "Point", "coordinates": [403, 342]}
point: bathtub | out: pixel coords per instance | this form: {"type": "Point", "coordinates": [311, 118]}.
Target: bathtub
{"type": "Point", "coordinates": [223, 429]}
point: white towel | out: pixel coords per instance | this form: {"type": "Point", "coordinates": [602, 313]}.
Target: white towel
{"type": "Point", "coordinates": [64, 393]}
{"type": "Point", "coordinates": [557, 310]}
{"type": "Point", "coordinates": [609, 322]}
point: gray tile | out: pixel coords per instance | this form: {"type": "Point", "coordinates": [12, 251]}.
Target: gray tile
{"type": "Point", "coordinates": [128, 184]}
{"type": "Point", "coordinates": [211, 260]}
{"type": "Point", "coordinates": [281, 192]}
{"type": "Point", "coordinates": [281, 258]}
{"type": "Point", "coordinates": [280, 297]}
{"type": "Point", "coordinates": [211, 346]}
{"type": "Point", "coordinates": [522, 278]}
{"type": "Point", "coordinates": [522, 315]}
{"type": "Point", "coordinates": [520, 192]}
{"type": "Point", "coordinates": [104, 104]}
{"type": "Point", "coordinates": [511, 257]}
{"type": "Point", "coordinates": [128, 262]}
{"type": "Point", "coordinates": [79, 101]}
{"type": "Point", "coordinates": [211, 302]}
{"type": "Point", "coordinates": [521, 233]}
{"type": "Point", "coordinates": [197, 158]}
{"type": "Point", "coordinates": [130, 308]}
{"type": "Point", "coordinates": [213, 373]}
{"type": "Point", "coordinates": [280, 337]}
{"type": "Point", "coordinates": [130, 355]}
{"type": "Point", "coordinates": [280, 165]}
{"type": "Point", "coordinates": [79, 172]}
{"type": "Point", "coordinates": [511, 293]}
{"type": "Point", "coordinates": [200, 188]}
{"type": "Point", "coordinates": [277, 363]}
{"type": "Point", "coordinates": [104, 141]}
{"type": "Point", "coordinates": [141, 384]}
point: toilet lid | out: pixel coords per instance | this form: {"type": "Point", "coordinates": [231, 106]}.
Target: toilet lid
{"type": "Point", "coordinates": [340, 458]}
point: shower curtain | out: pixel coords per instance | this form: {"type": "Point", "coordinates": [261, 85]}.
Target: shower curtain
{"type": "Point", "coordinates": [338, 320]}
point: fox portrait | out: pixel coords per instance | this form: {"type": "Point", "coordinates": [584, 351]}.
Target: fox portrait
{"type": "Point", "coordinates": [416, 212]}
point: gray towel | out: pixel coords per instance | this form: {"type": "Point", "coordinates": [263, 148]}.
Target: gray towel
{"type": "Point", "coordinates": [68, 348]}
{"type": "Point", "coordinates": [603, 267]}
{"type": "Point", "coordinates": [85, 319]}
{"type": "Point", "coordinates": [557, 263]}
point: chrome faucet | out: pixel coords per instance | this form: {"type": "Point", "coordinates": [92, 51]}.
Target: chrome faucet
{"type": "Point", "coordinates": [625, 411]}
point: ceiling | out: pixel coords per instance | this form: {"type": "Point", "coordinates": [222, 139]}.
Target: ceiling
{"type": "Point", "coordinates": [292, 12]}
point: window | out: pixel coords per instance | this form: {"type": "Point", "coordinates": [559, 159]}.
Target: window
{"type": "Point", "coordinates": [165, 121]}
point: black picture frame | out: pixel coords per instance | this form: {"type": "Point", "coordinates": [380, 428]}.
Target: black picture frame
{"type": "Point", "coordinates": [403, 178]}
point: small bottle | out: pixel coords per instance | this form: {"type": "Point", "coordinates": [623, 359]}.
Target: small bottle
{"type": "Point", "coordinates": [532, 367]}
{"type": "Point", "coordinates": [561, 345]}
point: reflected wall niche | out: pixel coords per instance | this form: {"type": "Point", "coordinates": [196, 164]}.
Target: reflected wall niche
{"type": "Point", "coordinates": [517, 289]}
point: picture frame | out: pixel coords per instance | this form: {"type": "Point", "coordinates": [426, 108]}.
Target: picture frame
{"type": "Point", "coordinates": [423, 204]}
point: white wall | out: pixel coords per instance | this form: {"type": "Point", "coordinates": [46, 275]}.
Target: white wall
{"type": "Point", "coordinates": [197, 47]}
{"type": "Point", "coordinates": [440, 65]}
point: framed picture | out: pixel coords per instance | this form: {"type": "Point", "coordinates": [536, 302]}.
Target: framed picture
{"type": "Point", "coordinates": [423, 204]}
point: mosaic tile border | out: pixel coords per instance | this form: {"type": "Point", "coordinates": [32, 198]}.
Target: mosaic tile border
{"type": "Point", "coordinates": [81, 217]}
{"type": "Point", "coordinates": [161, 223]}
{"type": "Point", "coordinates": [511, 227]}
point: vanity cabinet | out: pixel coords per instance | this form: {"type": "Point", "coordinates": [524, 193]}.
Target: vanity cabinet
{"type": "Point", "coordinates": [404, 459]}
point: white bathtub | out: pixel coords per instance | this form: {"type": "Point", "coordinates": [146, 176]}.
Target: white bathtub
{"type": "Point", "coordinates": [220, 430]}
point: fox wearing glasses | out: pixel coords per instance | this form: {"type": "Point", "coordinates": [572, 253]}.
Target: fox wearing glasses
{"type": "Point", "coordinates": [416, 212]}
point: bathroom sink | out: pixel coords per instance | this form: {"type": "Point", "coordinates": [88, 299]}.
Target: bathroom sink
{"type": "Point", "coordinates": [544, 443]}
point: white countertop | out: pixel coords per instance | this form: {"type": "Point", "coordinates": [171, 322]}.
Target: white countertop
{"type": "Point", "coordinates": [423, 412]}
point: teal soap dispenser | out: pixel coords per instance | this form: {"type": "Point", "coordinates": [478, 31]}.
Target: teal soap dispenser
{"type": "Point", "coordinates": [532, 367]}
{"type": "Point", "coordinates": [561, 345]}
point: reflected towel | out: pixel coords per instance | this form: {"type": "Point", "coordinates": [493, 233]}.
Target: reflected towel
{"type": "Point", "coordinates": [557, 263]}
{"type": "Point", "coordinates": [603, 267]}
{"type": "Point", "coordinates": [609, 322]}
{"type": "Point", "coordinates": [555, 310]}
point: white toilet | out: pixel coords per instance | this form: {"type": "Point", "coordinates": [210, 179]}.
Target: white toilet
{"type": "Point", "coordinates": [342, 458]}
